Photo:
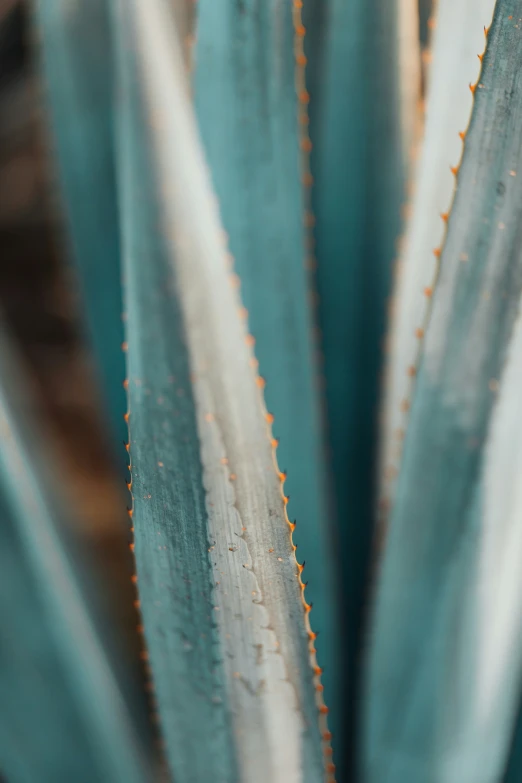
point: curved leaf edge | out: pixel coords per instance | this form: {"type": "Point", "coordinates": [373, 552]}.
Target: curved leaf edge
{"type": "Point", "coordinates": [242, 315]}
{"type": "Point", "coordinates": [390, 472]}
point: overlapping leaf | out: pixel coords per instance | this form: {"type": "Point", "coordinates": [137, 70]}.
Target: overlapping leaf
{"type": "Point", "coordinates": [76, 53]}
{"type": "Point", "coordinates": [63, 713]}
{"type": "Point", "coordinates": [426, 9]}
{"type": "Point", "coordinates": [444, 666]}
{"type": "Point", "coordinates": [356, 112]}
{"type": "Point", "coordinates": [458, 38]}
{"type": "Point", "coordinates": [250, 96]}
{"type": "Point", "coordinates": [224, 617]}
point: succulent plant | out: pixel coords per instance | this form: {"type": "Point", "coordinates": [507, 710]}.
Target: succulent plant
{"type": "Point", "coordinates": [235, 176]}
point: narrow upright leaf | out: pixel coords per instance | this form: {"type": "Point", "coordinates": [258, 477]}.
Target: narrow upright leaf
{"type": "Point", "coordinates": [446, 637]}
{"type": "Point", "coordinates": [427, 9]}
{"type": "Point", "coordinates": [514, 765]}
{"type": "Point", "coordinates": [354, 72]}
{"type": "Point", "coordinates": [225, 620]}
{"type": "Point", "coordinates": [457, 39]}
{"type": "Point", "coordinates": [63, 714]}
{"type": "Point", "coordinates": [251, 102]}
{"type": "Point", "coordinates": [76, 51]}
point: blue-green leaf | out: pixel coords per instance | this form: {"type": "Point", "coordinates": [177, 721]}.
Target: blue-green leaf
{"type": "Point", "coordinates": [224, 617]}
{"type": "Point", "coordinates": [245, 85]}
{"type": "Point", "coordinates": [425, 13]}
{"type": "Point", "coordinates": [457, 39]}
{"type": "Point", "coordinates": [64, 716]}
{"type": "Point", "coordinates": [76, 54]}
{"type": "Point", "coordinates": [445, 659]}
{"type": "Point", "coordinates": [354, 73]}
{"type": "Point", "coordinates": [514, 765]}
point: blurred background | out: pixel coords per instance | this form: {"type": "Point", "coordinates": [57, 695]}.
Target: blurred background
{"type": "Point", "coordinates": [39, 298]}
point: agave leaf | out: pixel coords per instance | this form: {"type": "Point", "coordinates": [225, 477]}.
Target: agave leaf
{"type": "Point", "coordinates": [457, 39]}
{"type": "Point", "coordinates": [76, 54]}
{"type": "Point", "coordinates": [246, 86]}
{"type": "Point", "coordinates": [426, 11]}
{"type": "Point", "coordinates": [63, 714]}
{"type": "Point", "coordinates": [447, 629]}
{"type": "Point", "coordinates": [514, 765]}
{"type": "Point", "coordinates": [359, 171]}
{"type": "Point", "coordinates": [224, 617]}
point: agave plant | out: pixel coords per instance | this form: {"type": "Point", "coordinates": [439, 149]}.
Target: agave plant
{"type": "Point", "coordinates": [245, 183]}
